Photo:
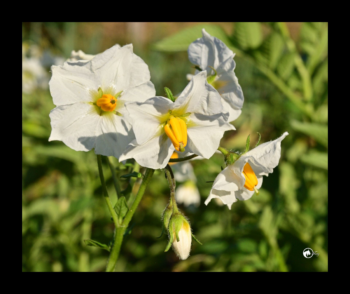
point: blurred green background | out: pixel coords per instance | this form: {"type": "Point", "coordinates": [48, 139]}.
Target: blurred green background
{"type": "Point", "coordinates": [283, 71]}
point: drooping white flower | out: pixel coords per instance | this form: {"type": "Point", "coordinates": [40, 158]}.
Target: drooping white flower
{"type": "Point", "coordinates": [245, 176]}
{"type": "Point", "coordinates": [90, 98]}
{"type": "Point", "coordinates": [193, 123]}
{"type": "Point", "coordinates": [211, 53]}
{"type": "Point", "coordinates": [188, 194]}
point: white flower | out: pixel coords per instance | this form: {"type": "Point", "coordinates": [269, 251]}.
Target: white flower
{"type": "Point", "coordinates": [90, 98]}
{"type": "Point", "coordinates": [193, 123]}
{"type": "Point", "coordinates": [244, 177]}
{"type": "Point", "coordinates": [188, 194]}
{"type": "Point", "coordinates": [34, 74]}
{"type": "Point", "coordinates": [182, 247]}
{"type": "Point", "coordinates": [209, 52]}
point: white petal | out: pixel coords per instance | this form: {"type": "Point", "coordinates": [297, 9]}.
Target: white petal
{"type": "Point", "coordinates": [139, 93]}
{"type": "Point", "coordinates": [115, 135]}
{"type": "Point", "coordinates": [204, 138]}
{"type": "Point", "coordinates": [199, 97]}
{"type": "Point", "coordinates": [183, 171]}
{"type": "Point", "coordinates": [76, 125]}
{"type": "Point", "coordinates": [225, 196]}
{"type": "Point", "coordinates": [245, 194]}
{"type": "Point", "coordinates": [208, 51]}
{"type": "Point", "coordinates": [153, 154]}
{"type": "Point", "coordinates": [71, 83]}
{"type": "Point", "coordinates": [113, 67]}
{"type": "Point", "coordinates": [226, 180]}
{"type": "Point", "coordinates": [231, 92]}
{"type": "Point", "coordinates": [265, 157]}
{"type": "Point", "coordinates": [145, 117]}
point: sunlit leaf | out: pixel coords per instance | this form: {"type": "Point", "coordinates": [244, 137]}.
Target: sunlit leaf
{"type": "Point", "coordinates": [315, 158]}
{"type": "Point", "coordinates": [318, 131]}
{"type": "Point", "coordinates": [181, 40]}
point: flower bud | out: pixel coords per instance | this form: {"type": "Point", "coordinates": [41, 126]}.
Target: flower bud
{"type": "Point", "coordinates": [181, 236]}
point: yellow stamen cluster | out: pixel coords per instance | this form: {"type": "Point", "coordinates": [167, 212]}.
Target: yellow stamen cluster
{"type": "Point", "coordinates": [176, 130]}
{"type": "Point", "coordinates": [107, 102]}
{"type": "Point", "coordinates": [250, 178]}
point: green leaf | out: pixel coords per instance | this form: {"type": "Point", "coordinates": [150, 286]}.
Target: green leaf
{"type": "Point", "coordinates": [318, 131]}
{"type": "Point", "coordinates": [169, 94]}
{"type": "Point", "coordinates": [94, 243]}
{"type": "Point", "coordinates": [247, 144]}
{"type": "Point", "coordinates": [181, 40]}
{"type": "Point", "coordinates": [132, 175]}
{"type": "Point", "coordinates": [316, 158]}
{"type": "Point", "coordinates": [248, 34]}
{"type": "Point", "coordinates": [35, 130]}
{"type": "Point", "coordinates": [320, 50]}
{"type": "Point", "coordinates": [121, 208]}
{"type": "Point", "coordinates": [286, 65]}
{"type": "Point", "coordinates": [273, 48]}
{"type": "Point", "coordinates": [194, 237]}
{"type": "Point", "coordinates": [257, 143]}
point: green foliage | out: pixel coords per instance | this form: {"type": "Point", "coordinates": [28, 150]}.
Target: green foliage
{"type": "Point", "coordinates": [121, 208]}
{"type": "Point", "coordinates": [317, 131]}
{"type": "Point", "coordinates": [94, 243]}
{"type": "Point", "coordinates": [181, 40]}
{"type": "Point", "coordinates": [248, 35]}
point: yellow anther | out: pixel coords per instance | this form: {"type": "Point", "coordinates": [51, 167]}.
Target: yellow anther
{"type": "Point", "coordinates": [107, 102]}
{"type": "Point", "coordinates": [173, 156]}
{"type": "Point", "coordinates": [250, 178]}
{"type": "Point", "coordinates": [176, 130]}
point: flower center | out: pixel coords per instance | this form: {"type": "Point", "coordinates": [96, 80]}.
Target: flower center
{"type": "Point", "coordinates": [173, 156]}
{"type": "Point", "coordinates": [250, 178]}
{"type": "Point", "coordinates": [176, 130]}
{"type": "Point", "coordinates": [107, 102]}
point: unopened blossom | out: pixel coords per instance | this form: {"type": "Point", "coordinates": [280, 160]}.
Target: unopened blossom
{"type": "Point", "coordinates": [90, 99]}
{"type": "Point", "coordinates": [212, 55]}
{"type": "Point", "coordinates": [244, 177]}
{"type": "Point", "coordinates": [181, 236]}
{"type": "Point", "coordinates": [193, 123]}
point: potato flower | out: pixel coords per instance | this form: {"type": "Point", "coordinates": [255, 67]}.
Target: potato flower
{"type": "Point", "coordinates": [90, 96]}
{"type": "Point", "coordinates": [212, 55]}
{"type": "Point", "coordinates": [193, 123]}
{"type": "Point", "coordinates": [244, 177]}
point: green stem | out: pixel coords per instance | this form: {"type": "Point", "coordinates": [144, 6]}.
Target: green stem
{"type": "Point", "coordinates": [121, 230]}
{"type": "Point", "coordinates": [105, 193]}
{"type": "Point", "coordinates": [223, 151]}
{"type": "Point", "coordinates": [172, 184]}
{"type": "Point", "coordinates": [183, 159]}
{"type": "Point", "coordinates": [115, 181]}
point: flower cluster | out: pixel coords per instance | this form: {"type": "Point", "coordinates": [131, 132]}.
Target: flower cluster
{"type": "Point", "coordinates": [107, 103]}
